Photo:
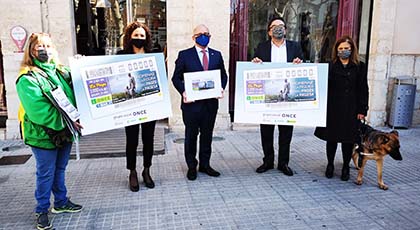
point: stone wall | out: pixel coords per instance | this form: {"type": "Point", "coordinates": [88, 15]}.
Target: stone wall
{"type": "Point", "coordinates": [50, 16]}
{"type": "Point", "coordinates": [385, 63]}
{"type": "Point", "coordinates": [182, 17]}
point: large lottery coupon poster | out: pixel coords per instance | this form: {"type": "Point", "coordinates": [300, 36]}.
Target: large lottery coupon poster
{"type": "Point", "coordinates": [116, 91]}
{"type": "Point", "coordinates": [281, 93]}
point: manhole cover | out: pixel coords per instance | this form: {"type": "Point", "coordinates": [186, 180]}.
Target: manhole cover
{"type": "Point", "coordinates": [181, 140]}
{"type": "Point", "coordinates": [14, 160]}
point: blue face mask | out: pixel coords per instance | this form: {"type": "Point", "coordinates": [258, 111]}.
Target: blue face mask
{"type": "Point", "coordinates": [344, 54]}
{"type": "Point", "coordinates": [202, 40]}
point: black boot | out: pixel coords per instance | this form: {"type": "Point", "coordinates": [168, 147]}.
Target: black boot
{"type": "Point", "coordinates": [133, 181]}
{"type": "Point", "coordinates": [345, 173]}
{"type": "Point", "coordinates": [147, 179]}
{"type": "Point", "coordinates": [329, 172]}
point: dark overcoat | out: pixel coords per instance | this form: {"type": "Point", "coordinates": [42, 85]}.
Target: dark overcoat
{"type": "Point", "coordinates": [348, 95]}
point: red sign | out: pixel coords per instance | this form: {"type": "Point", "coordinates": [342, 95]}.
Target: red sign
{"type": "Point", "coordinates": [19, 35]}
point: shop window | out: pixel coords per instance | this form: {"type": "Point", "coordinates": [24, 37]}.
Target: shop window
{"type": "Point", "coordinates": [312, 23]}
{"type": "Point", "coordinates": [100, 23]}
{"type": "Point", "coordinates": [3, 108]}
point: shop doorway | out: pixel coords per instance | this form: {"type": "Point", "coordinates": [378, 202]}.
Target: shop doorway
{"type": "Point", "coordinates": [100, 23]}
{"type": "Point", "coordinates": [315, 24]}
{"type": "Point", "coordinates": [3, 106]}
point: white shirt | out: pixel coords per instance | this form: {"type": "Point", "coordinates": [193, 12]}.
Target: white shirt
{"type": "Point", "coordinates": [279, 54]}
{"type": "Point", "coordinates": [200, 54]}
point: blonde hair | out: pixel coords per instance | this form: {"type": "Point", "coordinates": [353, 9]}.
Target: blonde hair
{"type": "Point", "coordinates": [28, 56]}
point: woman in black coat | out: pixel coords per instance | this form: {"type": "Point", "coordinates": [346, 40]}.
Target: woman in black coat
{"type": "Point", "coordinates": [348, 95]}
{"type": "Point", "coordinates": [137, 40]}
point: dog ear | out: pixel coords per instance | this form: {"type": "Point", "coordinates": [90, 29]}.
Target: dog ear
{"type": "Point", "coordinates": [395, 132]}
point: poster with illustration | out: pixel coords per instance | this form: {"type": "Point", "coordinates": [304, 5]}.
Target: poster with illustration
{"type": "Point", "coordinates": [203, 85]}
{"type": "Point", "coordinates": [281, 93]}
{"type": "Point", "coordinates": [121, 90]}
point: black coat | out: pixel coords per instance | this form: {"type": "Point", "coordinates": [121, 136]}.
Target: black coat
{"type": "Point", "coordinates": [348, 95]}
{"type": "Point", "coordinates": [293, 51]}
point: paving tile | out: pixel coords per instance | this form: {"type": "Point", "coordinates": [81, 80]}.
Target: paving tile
{"type": "Point", "coordinates": [238, 199]}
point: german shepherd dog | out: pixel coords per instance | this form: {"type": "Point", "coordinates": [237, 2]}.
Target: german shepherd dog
{"type": "Point", "coordinates": [375, 145]}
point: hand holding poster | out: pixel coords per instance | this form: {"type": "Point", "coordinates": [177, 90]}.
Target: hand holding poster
{"type": "Point", "coordinates": [203, 85]}
{"type": "Point", "coordinates": [116, 91]}
{"type": "Point", "coordinates": [281, 93]}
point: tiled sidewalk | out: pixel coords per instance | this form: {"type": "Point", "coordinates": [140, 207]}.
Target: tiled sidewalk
{"type": "Point", "coordinates": [238, 199]}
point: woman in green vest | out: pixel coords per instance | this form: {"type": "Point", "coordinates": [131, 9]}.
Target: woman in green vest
{"type": "Point", "coordinates": [44, 127]}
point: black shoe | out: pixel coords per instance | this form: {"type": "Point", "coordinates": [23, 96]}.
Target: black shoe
{"type": "Point", "coordinates": [192, 174]}
{"type": "Point", "coordinates": [70, 207]}
{"type": "Point", "coordinates": [286, 170]}
{"type": "Point", "coordinates": [133, 181]}
{"type": "Point", "coordinates": [209, 171]}
{"type": "Point", "coordinates": [147, 179]}
{"type": "Point", "coordinates": [329, 172]}
{"type": "Point", "coordinates": [345, 173]}
{"type": "Point", "coordinates": [42, 222]}
{"type": "Point", "coordinates": [264, 168]}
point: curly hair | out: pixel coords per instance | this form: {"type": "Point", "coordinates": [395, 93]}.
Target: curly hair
{"type": "Point", "coordinates": [127, 37]}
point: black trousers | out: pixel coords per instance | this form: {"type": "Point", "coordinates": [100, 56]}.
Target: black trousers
{"type": "Point", "coordinates": [132, 137]}
{"type": "Point", "coordinates": [346, 148]}
{"type": "Point", "coordinates": [198, 122]}
{"type": "Point", "coordinates": [267, 141]}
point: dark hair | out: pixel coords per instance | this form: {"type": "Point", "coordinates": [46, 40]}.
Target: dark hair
{"type": "Point", "coordinates": [354, 57]}
{"type": "Point", "coordinates": [273, 19]}
{"type": "Point", "coordinates": [127, 37]}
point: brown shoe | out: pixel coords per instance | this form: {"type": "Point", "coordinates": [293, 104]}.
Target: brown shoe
{"type": "Point", "coordinates": [133, 181]}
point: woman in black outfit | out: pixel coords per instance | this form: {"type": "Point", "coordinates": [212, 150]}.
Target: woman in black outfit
{"type": "Point", "coordinates": [137, 40]}
{"type": "Point", "coordinates": [348, 95]}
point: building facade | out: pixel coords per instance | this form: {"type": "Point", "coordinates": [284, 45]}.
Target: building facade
{"type": "Point", "coordinates": [385, 30]}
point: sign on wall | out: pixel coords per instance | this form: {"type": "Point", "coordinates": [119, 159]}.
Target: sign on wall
{"type": "Point", "coordinates": [19, 35]}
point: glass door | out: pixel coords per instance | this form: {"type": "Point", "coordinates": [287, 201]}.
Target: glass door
{"type": "Point", "coordinates": [100, 24]}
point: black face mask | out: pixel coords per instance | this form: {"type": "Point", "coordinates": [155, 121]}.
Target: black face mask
{"type": "Point", "coordinates": [43, 55]}
{"type": "Point", "coordinates": [138, 43]}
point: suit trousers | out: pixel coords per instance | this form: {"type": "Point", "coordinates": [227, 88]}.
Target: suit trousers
{"type": "Point", "coordinates": [267, 141]}
{"type": "Point", "coordinates": [198, 122]}
{"type": "Point", "coordinates": [132, 137]}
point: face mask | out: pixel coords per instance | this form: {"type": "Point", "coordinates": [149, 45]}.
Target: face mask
{"type": "Point", "coordinates": [43, 55]}
{"type": "Point", "coordinates": [278, 32]}
{"type": "Point", "coordinates": [202, 40]}
{"type": "Point", "coordinates": [138, 43]}
{"type": "Point", "coordinates": [344, 54]}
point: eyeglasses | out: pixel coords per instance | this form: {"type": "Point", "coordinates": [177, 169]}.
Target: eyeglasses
{"type": "Point", "coordinates": [281, 26]}
{"type": "Point", "coordinates": [199, 34]}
